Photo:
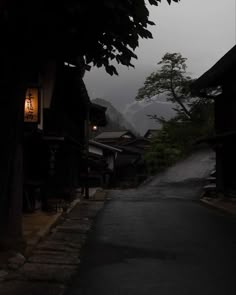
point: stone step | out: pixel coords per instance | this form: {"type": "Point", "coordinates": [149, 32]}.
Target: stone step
{"type": "Point", "coordinates": [63, 247]}
{"type": "Point", "coordinates": [47, 272]}
{"type": "Point", "coordinates": [55, 258]}
{"type": "Point", "coordinates": [68, 237]}
{"type": "Point", "coordinates": [79, 228]}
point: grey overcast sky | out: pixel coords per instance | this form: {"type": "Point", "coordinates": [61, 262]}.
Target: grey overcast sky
{"type": "Point", "coordinates": [201, 30]}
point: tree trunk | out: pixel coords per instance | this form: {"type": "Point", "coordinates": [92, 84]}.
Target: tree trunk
{"type": "Point", "coordinates": [176, 98]}
{"type": "Point", "coordinates": [12, 94]}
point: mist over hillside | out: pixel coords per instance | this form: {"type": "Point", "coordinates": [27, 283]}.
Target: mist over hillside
{"type": "Point", "coordinates": [135, 115]}
{"type": "Point", "coordinates": [138, 111]}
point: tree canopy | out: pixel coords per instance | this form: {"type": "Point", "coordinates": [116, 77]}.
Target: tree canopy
{"type": "Point", "coordinates": [170, 79]}
{"type": "Point", "coordinates": [99, 31]}
{"type": "Point", "coordinates": [178, 136]}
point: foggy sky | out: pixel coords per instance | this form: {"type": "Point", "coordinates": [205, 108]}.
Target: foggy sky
{"type": "Point", "coordinates": [201, 30]}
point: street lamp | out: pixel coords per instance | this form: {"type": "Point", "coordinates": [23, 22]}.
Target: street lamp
{"type": "Point", "coordinates": [94, 128]}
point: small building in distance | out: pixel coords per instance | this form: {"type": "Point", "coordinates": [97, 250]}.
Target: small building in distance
{"type": "Point", "coordinates": [129, 164]}
{"type": "Point", "coordinates": [102, 163]}
{"type": "Point", "coordinates": [130, 168]}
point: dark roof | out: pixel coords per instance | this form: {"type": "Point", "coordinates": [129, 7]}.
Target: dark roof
{"type": "Point", "coordinates": [214, 76]}
{"type": "Point", "coordinates": [114, 134]}
{"type": "Point", "coordinates": [97, 106]}
{"type": "Point", "coordinates": [104, 146]}
{"type": "Point", "coordinates": [130, 150]}
{"type": "Point", "coordinates": [219, 138]}
{"type": "Point", "coordinates": [137, 141]}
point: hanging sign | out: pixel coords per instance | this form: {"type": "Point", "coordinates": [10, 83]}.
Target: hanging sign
{"type": "Point", "coordinates": [31, 111]}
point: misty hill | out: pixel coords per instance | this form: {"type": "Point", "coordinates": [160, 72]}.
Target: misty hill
{"type": "Point", "coordinates": [115, 120]}
{"type": "Point", "coordinates": [137, 113]}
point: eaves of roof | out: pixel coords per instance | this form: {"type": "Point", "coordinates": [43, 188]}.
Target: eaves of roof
{"type": "Point", "coordinates": [216, 74]}
{"type": "Point", "coordinates": [105, 146]}
{"type": "Point", "coordinates": [219, 138]}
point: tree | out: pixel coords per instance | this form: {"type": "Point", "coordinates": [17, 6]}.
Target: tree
{"type": "Point", "coordinates": [179, 135]}
{"type": "Point", "coordinates": [32, 33]}
{"type": "Point", "coordinates": [171, 79]}
{"type": "Point", "coordinates": [194, 117]}
{"type": "Point", "coordinates": [162, 153]}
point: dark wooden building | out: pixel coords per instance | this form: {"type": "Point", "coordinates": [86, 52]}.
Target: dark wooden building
{"type": "Point", "coordinates": [222, 77]}
{"type": "Point", "coordinates": [56, 149]}
{"type": "Point", "coordinates": [53, 148]}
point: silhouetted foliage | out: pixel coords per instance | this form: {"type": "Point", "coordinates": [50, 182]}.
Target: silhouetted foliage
{"type": "Point", "coordinates": [100, 31]}
{"type": "Point", "coordinates": [171, 79]}
{"type": "Point", "coordinates": [178, 136]}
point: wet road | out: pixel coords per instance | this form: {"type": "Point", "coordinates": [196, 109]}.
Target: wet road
{"type": "Point", "coordinates": [159, 239]}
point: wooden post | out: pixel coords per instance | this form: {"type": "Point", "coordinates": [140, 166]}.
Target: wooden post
{"type": "Point", "coordinates": [86, 146]}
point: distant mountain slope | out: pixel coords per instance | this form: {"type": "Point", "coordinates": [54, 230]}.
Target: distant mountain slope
{"type": "Point", "coordinates": [115, 120]}
{"type": "Point", "coordinates": [137, 113]}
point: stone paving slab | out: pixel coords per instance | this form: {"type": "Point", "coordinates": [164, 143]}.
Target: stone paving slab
{"type": "Point", "coordinates": [79, 228]}
{"type": "Point", "coordinates": [85, 212]}
{"type": "Point", "coordinates": [38, 225]}
{"type": "Point", "coordinates": [59, 247]}
{"type": "Point", "coordinates": [55, 257]}
{"type": "Point", "coordinates": [76, 221]}
{"type": "Point", "coordinates": [88, 210]}
{"type": "Point", "coordinates": [3, 275]}
{"type": "Point", "coordinates": [31, 288]}
{"type": "Point", "coordinates": [47, 272]}
{"type": "Point", "coordinates": [68, 237]}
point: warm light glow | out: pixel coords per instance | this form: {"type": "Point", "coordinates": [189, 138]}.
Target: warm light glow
{"type": "Point", "coordinates": [94, 128]}
{"type": "Point", "coordinates": [31, 113]}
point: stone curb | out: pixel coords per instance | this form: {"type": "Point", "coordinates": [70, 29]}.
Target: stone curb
{"type": "Point", "coordinates": [46, 230]}
{"type": "Point", "coordinates": [9, 279]}
{"type": "Point", "coordinates": [220, 207]}
{"type": "Point", "coordinates": [55, 219]}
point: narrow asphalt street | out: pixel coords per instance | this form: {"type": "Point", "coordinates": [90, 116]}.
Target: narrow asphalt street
{"type": "Point", "coordinates": [159, 239]}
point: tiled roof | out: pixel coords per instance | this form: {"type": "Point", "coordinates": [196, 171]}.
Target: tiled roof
{"type": "Point", "coordinates": [104, 146]}
{"type": "Point", "coordinates": [112, 134]}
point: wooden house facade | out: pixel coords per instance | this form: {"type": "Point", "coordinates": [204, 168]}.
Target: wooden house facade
{"type": "Point", "coordinates": [55, 149]}
{"type": "Point", "coordinates": [222, 76]}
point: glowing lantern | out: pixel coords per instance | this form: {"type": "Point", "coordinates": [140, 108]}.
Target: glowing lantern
{"type": "Point", "coordinates": [31, 112]}
{"type": "Point", "coordinates": [94, 128]}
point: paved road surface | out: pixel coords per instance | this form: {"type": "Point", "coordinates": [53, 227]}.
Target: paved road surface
{"type": "Point", "coordinates": [160, 240]}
